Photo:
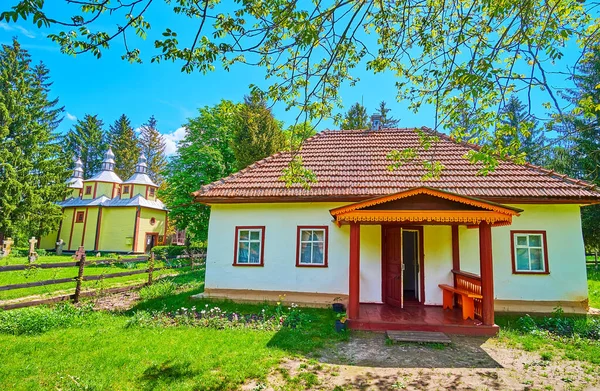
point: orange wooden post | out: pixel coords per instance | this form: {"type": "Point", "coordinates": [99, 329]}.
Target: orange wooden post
{"type": "Point", "coordinates": [354, 272]}
{"type": "Point", "coordinates": [487, 272]}
{"type": "Point", "coordinates": [468, 308]}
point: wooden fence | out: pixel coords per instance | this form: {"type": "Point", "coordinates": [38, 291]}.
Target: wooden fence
{"type": "Point", "coordinates": [81, 263]}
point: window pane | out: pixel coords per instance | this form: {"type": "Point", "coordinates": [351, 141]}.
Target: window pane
{"type": "Point", "coordinates": [254, 235]}
{"type": "Point", "coordinates": [536, 259]}
{"type": "Point", "coordinates": [535, 240]}
{"type": "Point", "coordinates": [318, 253]}
{"type": "Point", "coordinates": [305, 235]}
{"type": "Point", "coordinates": [305, 250]}
{"type": "Point", "coordinates": [319, 235]}
{"type": "Point", "coordinates": [244, 234]}
{"type": "Point", "coordinates": [254, 252]}
{"type": "Point", "coordinates": [521, 240]}
{"type": "Point", "coordinates": [242, 252]}
{"type": "Point", "coordinates": [522, 259]}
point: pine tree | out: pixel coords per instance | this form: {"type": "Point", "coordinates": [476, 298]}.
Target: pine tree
{"type": "Point", "coordinates": [87, 140]}
{"type": "Point", "coordinates": [257, 134]}
{"type": "Point", "coordinates": [387, 121]}
{"type": "Point", "coordinates": [524, 129]}
{"type": "Point", "coordinates": [153, 146]}
{"type": "Point", "coordinates": [33, 168]}
{"type": "Point", "coordinates": [125, 145]}
{"type": "Point", "coordinates": [356, 118]}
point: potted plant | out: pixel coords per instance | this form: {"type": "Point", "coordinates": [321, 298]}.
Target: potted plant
{"type": "Point", "coordinates": [340, 322]}
{"type": "Point", "coordinates": [337, 305]}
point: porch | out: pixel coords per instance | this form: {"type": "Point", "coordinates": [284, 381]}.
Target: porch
{"type": "Point", "coordinates": [468, 299]}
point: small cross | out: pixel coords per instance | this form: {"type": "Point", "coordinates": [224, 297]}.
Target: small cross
{"type": "Point", "coordinates": [79, 253]}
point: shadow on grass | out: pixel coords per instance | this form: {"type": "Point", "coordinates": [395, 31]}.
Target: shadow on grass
{"type": "Point", "coordinates": [157, 376]}
{"type": "Point", "coordinates": [370, 349]}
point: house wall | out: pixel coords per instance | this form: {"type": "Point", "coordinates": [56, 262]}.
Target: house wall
{"type": "Point", "coordinates": [48, 241]}
{"type": "Point", "coordinates": [145, 227]}
{"type": "Point", "coordinates": [116, 229]}
{"type": "Point", "coordinates": [565, 283]}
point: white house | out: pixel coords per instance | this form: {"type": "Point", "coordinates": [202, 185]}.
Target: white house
{"type": "Point", "coordinates": [396, 247]}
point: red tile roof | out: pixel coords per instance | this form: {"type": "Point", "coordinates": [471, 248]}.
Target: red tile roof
{"type": "Point", "coordinates": [352, 165]}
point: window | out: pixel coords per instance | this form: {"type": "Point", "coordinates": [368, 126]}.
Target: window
{"type": "Point", "coordinates": [311, 247]}
{"type": "Point", "coordinates": [249, 246]}
{"type": "Point", "coordinates": [529, 252]}
{"type": "Point", "coordinates": [88, 190]}
{"type": "Point", "coordinates": [152, 221]}
{"type": "Point", "coordinates": [151, 192]}
{"type": "Point", "coordinates": [79, 217]}
{"type": "Point", "coordinates": [125, 189]}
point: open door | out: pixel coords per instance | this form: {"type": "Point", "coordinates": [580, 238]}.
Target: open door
{"type": "Point", "coordinates": [393, 266]}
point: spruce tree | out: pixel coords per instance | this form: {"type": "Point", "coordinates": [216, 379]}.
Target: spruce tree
{"type": "Point", "coordinates": [87, 140]}
{"type": "Point", "coordinates": [256, 133]}
{"type": "Point", "coordinates": [125, 145]}
{"type": "Point", "coordinates": [33, 167]}
{"type": "Point", "coordinates": [153, 146]}
{"type": "Point", "coordinates": [387, 121]}
{"type": "Point", "coordinates": [356, 118]}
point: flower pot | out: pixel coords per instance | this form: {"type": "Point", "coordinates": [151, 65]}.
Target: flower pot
{"type": "Point", "coordinates": [340, 326]}
{"type": "Point", "coordinates": [338, 307]}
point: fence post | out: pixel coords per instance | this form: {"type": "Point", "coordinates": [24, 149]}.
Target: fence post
{"type": "Point", "coordinates": [150, 268]}
{"type": "Point", "coordinates": [596, 259]}
{"type": "Point", "coordinates": [80, 257]}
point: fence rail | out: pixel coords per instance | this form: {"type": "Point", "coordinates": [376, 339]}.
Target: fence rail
{"type": "Point", "coordinates": [81, 263]}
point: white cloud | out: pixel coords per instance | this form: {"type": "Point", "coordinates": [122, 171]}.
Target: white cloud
{"type": "Point", "coordinates": [13, 27]}
{"type": "Point", "coordinates": [171, 140]}
{"type": "Point", "coordinates": [71, 117]}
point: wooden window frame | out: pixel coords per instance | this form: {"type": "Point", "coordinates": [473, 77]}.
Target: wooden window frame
{"type": "Point", "coordinates": [513, 251]}
{"type": "Point", "coordinates": [88, 190]}
{"type": "Point", "coordinates": [152, 192]}
{"type": "Point", "coordinates": [77, 214]}
{"type": "Point", "coordinates": [262, 246]}
{"type": "Point", "coordinates": [325, 249]}
{"type": "Point", "coordinates": [125, 189]}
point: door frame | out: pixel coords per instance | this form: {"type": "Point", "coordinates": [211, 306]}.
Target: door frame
{"type": "Point", "coordinates": [153, 234]}
{"type": "Point", "coordinates": [420, 250]}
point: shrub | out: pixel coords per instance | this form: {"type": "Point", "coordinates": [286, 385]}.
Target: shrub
{"type": "Point", "coordinates": [36, 320]}
{"type": "Point", "coordinates": [41, 252]}
{"type": "Point", "coordinates": [161, 288]}
{"type": "Point", "coordinates": [560, 325]}
{"type": "Point", "coordinates": [163, 252]}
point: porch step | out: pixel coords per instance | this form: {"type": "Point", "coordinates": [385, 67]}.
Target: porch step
{"type": "Point", "coordinates": [418, 336]}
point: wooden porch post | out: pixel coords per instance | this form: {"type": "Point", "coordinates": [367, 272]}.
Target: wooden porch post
{"type": "Point", "coordinates": [455, 248]}
{"type": "Point", "coordinates": [354, 272]}
{"type": "Point", "coordinates": [487, 272]}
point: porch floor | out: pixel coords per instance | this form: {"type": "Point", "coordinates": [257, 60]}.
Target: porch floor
{"type": "Point", "coordinates": [416, 317]}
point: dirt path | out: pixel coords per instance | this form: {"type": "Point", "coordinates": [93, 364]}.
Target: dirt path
{"type": "Point", "coordinates": [366, 362]}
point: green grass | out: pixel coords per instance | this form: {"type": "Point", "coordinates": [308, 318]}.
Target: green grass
{"type": "Point", "coordinates": [37, 274]}
{"type": "Point", "coordinates": [96, 351]}
{"type": "Point", "coordinates": [594, 287]}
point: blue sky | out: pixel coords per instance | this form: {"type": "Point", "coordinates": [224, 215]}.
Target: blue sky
{"type": "Point", "coordinates": [110, 86]}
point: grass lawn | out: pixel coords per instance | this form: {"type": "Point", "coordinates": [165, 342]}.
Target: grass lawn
{"type": "Point", "coordinates": [101, 352]}
{"type": "Point", "coordinates": [594, 287]}
{"type": "Point", "coordinates": [36, 274]}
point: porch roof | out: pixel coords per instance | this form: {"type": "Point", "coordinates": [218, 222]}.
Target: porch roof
{"type": "Point", "coordinates": [450, 208]}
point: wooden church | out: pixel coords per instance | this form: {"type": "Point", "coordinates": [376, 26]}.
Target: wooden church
{"type": "Point", "coordinates": [103, 213]}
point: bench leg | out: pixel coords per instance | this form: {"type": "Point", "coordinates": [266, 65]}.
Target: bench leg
{"type": "Point", "coordinates": [468, 308]}
{"type": "Point", "coordinates": [448, 302]}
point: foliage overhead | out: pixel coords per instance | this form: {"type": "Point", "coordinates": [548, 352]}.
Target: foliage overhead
{"type": "Point", "coordinates": [33, 167]}
{"type": "Point", "coordinates": [203, 156]}
{"type": "Point", "coordinates": [356, 118]}
{"type": "Point", "coordinates": [125, 146]}
{"type": "Point", "coordinates": [457, 56]}
{"type": "Point", "coordinates": [87, 140]}
{"type": "Point", "coordinates": [153, 146]}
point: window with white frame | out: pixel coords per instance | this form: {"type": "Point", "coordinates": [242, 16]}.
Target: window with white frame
{"type": "Point", "coordinates": [249, 246]}
{"type": "Point", "coordinates": [312, 246]}
{"type": "Point", "coordinates": [529, 252]}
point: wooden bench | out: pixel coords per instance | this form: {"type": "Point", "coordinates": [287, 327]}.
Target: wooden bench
{"type": "Point", "coordinates": [468, 302]}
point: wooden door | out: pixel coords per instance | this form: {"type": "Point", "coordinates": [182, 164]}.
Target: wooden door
{"type": "Point", "coordinates": [393, 266]}
{"type": "Point", "coordinates": [151, 241]}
